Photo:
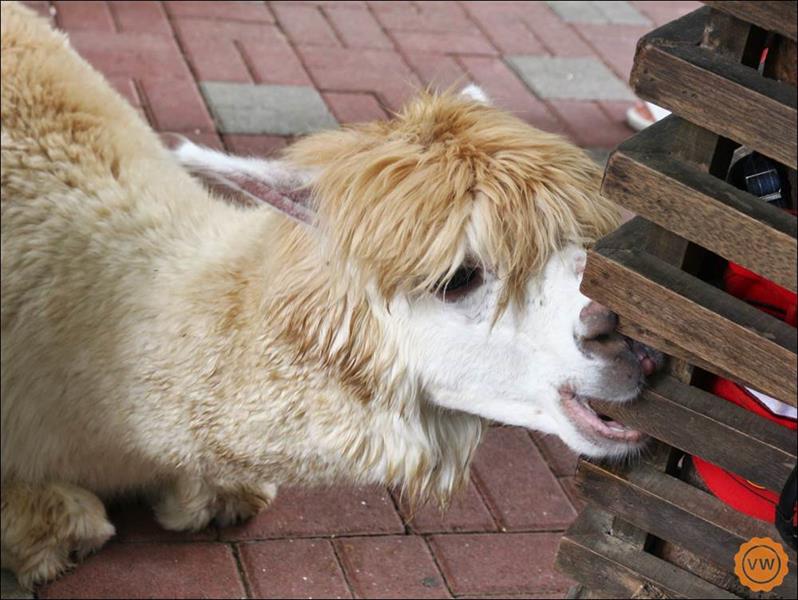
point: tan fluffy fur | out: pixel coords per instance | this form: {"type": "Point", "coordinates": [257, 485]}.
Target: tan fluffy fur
{"type": "Point", "coordinates": [398, 195]}
{"type": "Point", "coordinates": [156, 338]}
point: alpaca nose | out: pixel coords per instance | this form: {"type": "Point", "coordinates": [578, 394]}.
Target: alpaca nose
{"type": "Point", "coordinates": [596, 321]}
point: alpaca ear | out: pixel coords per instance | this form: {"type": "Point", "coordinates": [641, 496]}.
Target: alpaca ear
{"type": "Point", "coordinates": [476, 93]}
{"type": "Point", "coordinates": [250, 181]}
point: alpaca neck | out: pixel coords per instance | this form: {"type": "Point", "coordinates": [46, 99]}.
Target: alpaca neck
{"type": "Point", "coordinates": [357, 401]}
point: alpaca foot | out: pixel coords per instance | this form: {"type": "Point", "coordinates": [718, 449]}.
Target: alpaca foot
{"type": "Point", "coordinates": [243, 503]}
{"type": "Point", "coordinates": [47, 527]}
{"type": "Point", "coordinates": [191, 504]}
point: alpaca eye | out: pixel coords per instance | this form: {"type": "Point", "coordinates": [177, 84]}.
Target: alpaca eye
{"type": "Point", "coordinates": [465, 280]}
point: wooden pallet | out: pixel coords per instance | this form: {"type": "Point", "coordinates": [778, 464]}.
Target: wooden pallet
{"type": "Point", "coordinates": [651, 530]}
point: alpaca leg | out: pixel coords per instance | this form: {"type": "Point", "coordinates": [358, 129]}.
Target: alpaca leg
{"type": "Point", "coordinates": [45, 525]}
{"type": "Point", "coordinates": [191, 504]}
{"type": "Point", "coordinates": [243, 502]}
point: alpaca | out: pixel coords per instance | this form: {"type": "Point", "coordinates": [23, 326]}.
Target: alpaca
{"type": "Point", "coordinates": [157, 339]}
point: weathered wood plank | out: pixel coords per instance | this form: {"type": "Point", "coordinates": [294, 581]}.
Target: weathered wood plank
{"type": "Point", "coordinates": [702, 208]}
{"type": "Point", "coordinates": [757, 348]}
{"type": "Point", "coordinates": [684, 558]}
{"type": "Point", "coordinates": [641, 334]}
{"type": "Point", "coordinates": [677, 512]}
{"type": "Point", "coordinates": [672, 70]}
{"type": "Point", "coordinates": [614, 569]}
{"type": "Point", "coordinates": [711, 427]}
{"type": "Point", "coordinates": [777, 16]}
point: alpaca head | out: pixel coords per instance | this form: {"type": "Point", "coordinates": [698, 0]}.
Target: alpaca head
{"type": "Point", "coordinates": [454, 234]}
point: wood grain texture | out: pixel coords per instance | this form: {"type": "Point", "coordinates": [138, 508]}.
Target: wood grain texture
{"type": "Point", "coordinates": [779, 16]}
{"type": "Point", "coordinates": [615, 569]}
{"type": "Point", "coordinates": [672, 70]}
{"type": "Point", "coordinates": [702, 208]}
{"type": "Point", "coordinates": [677, 512]}
{"type": "Point", "coordinates": [609, 554]}
{"type": "Point", "coordinates": [715, 429]}
{"type": "Point", "coordinates": [757, 348]}
{"type": "Point", "coordinates": [646, 336]}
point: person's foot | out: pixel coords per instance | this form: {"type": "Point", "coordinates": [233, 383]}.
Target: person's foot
{"type": "Point", "coordinates": [643, 114]}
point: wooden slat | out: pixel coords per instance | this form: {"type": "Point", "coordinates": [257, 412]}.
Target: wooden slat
{"type": "Point", "coordinates": [704, 425]}
{"type": "Point", "coordinates": [614, 569]}
{"type": "Point", "coordinates": [677, 512]}
{"type": "Point", "coordinates": [726, 97]}
{"type": "Point", "coordinates": [702, 150]}
{"type": "Point", "coordinates": [757, 348]}
{"type": "Point", "coordinates": [641, 334]}
{"type": "Point", "coordinates": [700, 207]}
{"type": "Point", "coordinates": [580, 592]}
{"type": "Point", "coordinates": [777, 16]}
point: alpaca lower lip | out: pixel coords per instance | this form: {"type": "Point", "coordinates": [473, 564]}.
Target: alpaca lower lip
{"type": "Point", "coordinates": [593, 425]}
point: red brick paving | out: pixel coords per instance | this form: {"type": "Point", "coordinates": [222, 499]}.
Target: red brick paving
{"type": "Point", "coordinates": [507, 91]}
{"type": "Point", "coordinates": [140, 16]}
{"type": "Point", "coordinates": [615, 44]}
{"type": "Point", "coordinates": [325, 512]}
{"type": "Point", "coordinates": [568, 484]}
{"type": "Point", "coordinates": [239, 51]}
{"type": "Point", "coordinates": [228, 11]}
{"type": "Point", "coordinates": [496, 563]}
{"type": "Point", "coordinates": [183, 570]}
{"type": "Point", "coordinates": [357, 27]}
{"type": "Point", "coordinates": [391, 567]}
{"type": "Point", "coordinates": [305, 25]}
{"type": "Point", "coordinates": [561, 461]}
{"type": "Point", "coordinates": [360, 70]}
{"type": "Point", "coordinates": [518, 485]}
{"type": "Point", "coordinates": [354, 107]}
{"type": "Point", "coordinates": [379, 50]}
{"type": "Point", "coordinates": [254, 145]}
{"type": "Point", "coordinates": [467, 513]}
{"type": "Point", "coordinates": [660, 12]}
{"type": "Point", "coordinates": [499, 537]}
{"type": "Point", "coordinates": [84, 15]}
{"type": "Point", "coordinates": [293, 569]}
{"type": "Point", "coordinates": [589, 125]}
{"type": "Point", "coordinates": [439, 70]}
{"type": "Point", "coordinates": [135, 522]}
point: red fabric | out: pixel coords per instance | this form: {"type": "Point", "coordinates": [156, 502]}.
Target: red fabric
{"type": "Point", "coordinates": [740, 494]}
{"type": "Point", "coordinates": [742, 397]}
{"type": "Point", "coordinates": [760, 292]}
{"type": "Point", "coordinates": [737, 492]}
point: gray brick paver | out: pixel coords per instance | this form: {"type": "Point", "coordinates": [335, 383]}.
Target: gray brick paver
{"type": "Point", "coordinates": [608, 12]}
{"type": "Point", "coordinates": [569, 78]}
{"type": "Point", "coordinates": [266, 109]}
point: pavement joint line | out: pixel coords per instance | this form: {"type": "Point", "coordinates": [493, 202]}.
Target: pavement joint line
{"type": "Point", "coordinates": [434, 556]}
{"type": "Point", "coordinates": [340, 536]}
{"type": "Point", "coordinates": [339, 561]}
{"type": "Point", "coordinates": [370, 10]}
{"type": "Point", "coordinates": [190, 67]}
{"type": "Point", "coordinates": [395, 503]}
{"type": "Point", "coordinates": [114, 18]}
{"type": "Point", "coordinates": [339, 38]}
{"type": "Point", "coordinates": [242, 574]}
{"type": "Point", "coordinates": [245, 59]}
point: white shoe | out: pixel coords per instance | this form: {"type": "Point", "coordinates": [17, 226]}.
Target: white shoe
{"type": "Point", "coordinates": [643, 114]}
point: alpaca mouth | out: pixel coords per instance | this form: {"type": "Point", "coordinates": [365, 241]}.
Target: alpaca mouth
{"type": "Point", "coordinates": [595, 425]}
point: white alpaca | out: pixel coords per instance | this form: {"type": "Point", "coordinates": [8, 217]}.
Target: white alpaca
{"type": "Point", "coordinates": [157, 338]}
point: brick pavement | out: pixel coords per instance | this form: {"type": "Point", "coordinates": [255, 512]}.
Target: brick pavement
{"type": "Point", "coordinates": [222, 73]}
